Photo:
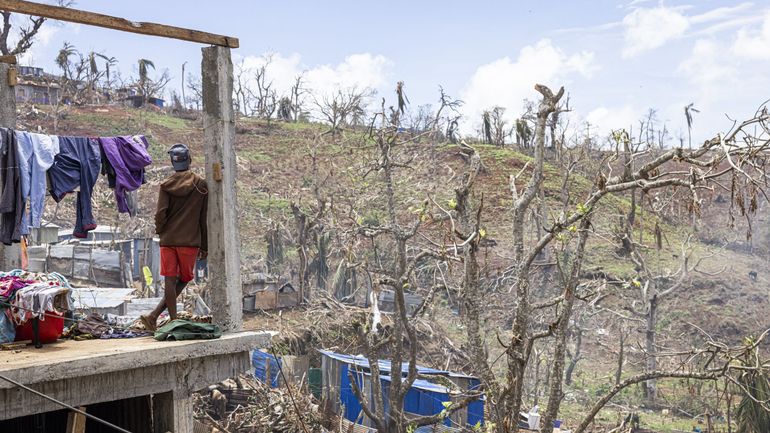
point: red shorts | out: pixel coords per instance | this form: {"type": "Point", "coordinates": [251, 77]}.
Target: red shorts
{"type": "Point", "coordinates": [178, 262]}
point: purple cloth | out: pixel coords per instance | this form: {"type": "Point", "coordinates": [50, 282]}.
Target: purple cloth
{"type": "Point", "coordinates": [10, 284]}
{"type": "Point", "coordinates": [128, 157]}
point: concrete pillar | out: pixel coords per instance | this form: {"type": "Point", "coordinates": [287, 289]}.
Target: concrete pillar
{"type": "Point", "coordinates": [172, 412]}
{"type": "Point", "coordinates": [10, 256]}
{"type": "Point", "coordinates": [219, 145]}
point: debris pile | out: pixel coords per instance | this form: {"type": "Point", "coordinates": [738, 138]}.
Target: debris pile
{"type": "Point", "coordinates": [246, 405]}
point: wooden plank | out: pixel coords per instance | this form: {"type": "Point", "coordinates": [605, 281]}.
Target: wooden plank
{"type": "Point", "coordinates": [11, 60]}
{"type": "Point", "coordinates": [76, 422]}
{"type": "Point", "coordinates": [115, 23]}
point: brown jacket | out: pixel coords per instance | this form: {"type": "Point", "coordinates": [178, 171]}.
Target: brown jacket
{"type": "Point", "coordinates": [181, 217]}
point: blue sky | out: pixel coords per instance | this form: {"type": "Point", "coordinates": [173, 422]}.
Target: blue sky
{"type": "Point", "coordinates": [616, 59]}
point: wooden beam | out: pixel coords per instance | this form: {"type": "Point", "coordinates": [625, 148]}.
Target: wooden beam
{"type": "Point", "coordinates": [115, 23]}
{"type": "Point", "coordinates": [76, 422]}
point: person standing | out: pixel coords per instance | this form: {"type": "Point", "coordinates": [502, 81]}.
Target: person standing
{"type": "Point", "coordinates": [181, 223]}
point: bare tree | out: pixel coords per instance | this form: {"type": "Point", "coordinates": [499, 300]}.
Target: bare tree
{"type": "Point", "coordinates": [309, 220]}
{"type": "Point", "coordinates": [196, 91]}
{"type": "Point", "coordinates": [575, 333]}
{"type": "Point", "coordinates": [343, 107]}
{"type": "Point", "coordinates": [263, 95]}
{"type": "Point", "coordinates": [736, 152]}
{"type": "Point", "coordinates": [486, 127]}
{"type": "Point", "coordinates": [285, 109]}
{"type": "Point", "coordinates": [240, 89]}
{"type": "Point", "coordinates": [450, 107]}
{"type": "Point", "coordinates": [498, 126]}
{"type": "Point", "coordinates": [523, 134]}
{"type": "Point", "coordinates": [25, 33]}
{"type": "Point", "coordinates": [296, 97]}
{"type": "Point", "coordinates": [688, 110]}
{"type": "Point", "coordinates": [652, 289]}
{"type": "Point", "coordinates": [397, 274]}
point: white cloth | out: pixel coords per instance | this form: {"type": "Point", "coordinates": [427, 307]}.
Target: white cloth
{"type": "Point", "coordinates": [36, 299]}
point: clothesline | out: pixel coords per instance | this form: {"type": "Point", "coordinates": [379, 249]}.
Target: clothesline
{"type": "Point", "coordinates": [32, 164]}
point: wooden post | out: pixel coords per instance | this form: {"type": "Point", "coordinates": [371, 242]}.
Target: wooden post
{"type": "Point", "coordinates": [10, 256]}
{"type": "Point", "coordinates": [224, 257]}
{"type": "Point", "coordinates": [76, 422]}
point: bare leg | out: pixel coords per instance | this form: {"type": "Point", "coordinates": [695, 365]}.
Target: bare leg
{"type": "Point", "coordinates": [178, 287]}
{"type": "Point", "coordinates": [170, 296]}
{"type": "Point", "coordinates": [162, 304]}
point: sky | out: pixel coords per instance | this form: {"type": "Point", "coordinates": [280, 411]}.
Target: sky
{"type": "Point", "coordinates": [616, 60]}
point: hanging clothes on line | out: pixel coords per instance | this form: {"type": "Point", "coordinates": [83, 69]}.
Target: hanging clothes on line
{"type": "Point", "coordinates": [77, 166]}
{"type": "Point", "coordinates": [35, 153]}
{"type": "Point", "coordinates": [11, 204]}
{"type": "Point", "coordinates": [123, 161]}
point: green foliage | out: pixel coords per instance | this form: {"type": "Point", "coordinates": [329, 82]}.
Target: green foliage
{"type": "Point", "coordinates": [750, 414]}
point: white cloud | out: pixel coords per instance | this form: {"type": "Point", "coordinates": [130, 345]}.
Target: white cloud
{"type": "Point", "coordinates": [707, 66]}
{"type": "Point", "coordinates": [720, 14]}
{"type": "Point", "coordinates": [506, 83]}
{"type": "Point", "coordinates": [357, 70]}
{"type": "Point", "coordinates": [754, 44]}
{"type": "Point", "coordinates": [46, 34]}
{"type": "Point", "coordinates": [608, 119]}
{"type": "Point", "coordinates": [647, 29]}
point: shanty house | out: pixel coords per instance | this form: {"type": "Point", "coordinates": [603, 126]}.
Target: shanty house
{"type": "Point", "coordinates": [426, 397]}
{"type": "Point", "coordinates": [35, 86]}
{"type": "Point", "coordinates": [267, 292]}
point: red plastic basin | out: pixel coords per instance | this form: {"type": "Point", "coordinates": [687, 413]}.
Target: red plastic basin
{"type": "Point", "coordinates": [50, 329]}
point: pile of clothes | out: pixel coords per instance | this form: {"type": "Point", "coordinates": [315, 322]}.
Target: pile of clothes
{"type": "Point", "coordinates": [25, 296]}
{"type": "Point", "coordinates": [94, 325]}
{"type": "Point", "coordinates": [32, 163]}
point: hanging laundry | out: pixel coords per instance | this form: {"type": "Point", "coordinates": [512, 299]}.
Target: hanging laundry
{"type": "Point", "coordinates": [11, 205]}
{"type": "Point", "coordinates": [35, 153]}
{"type": "Point", "coordinates": [77, 166]}
{"type": "Point", "coordinates": [124, 160]}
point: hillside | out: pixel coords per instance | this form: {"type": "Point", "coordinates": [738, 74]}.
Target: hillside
{"type": "Point", "coordinates": [281, 163]}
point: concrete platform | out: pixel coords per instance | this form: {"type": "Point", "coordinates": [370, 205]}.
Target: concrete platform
{"type": "Point", "coordinates": [80, 373]}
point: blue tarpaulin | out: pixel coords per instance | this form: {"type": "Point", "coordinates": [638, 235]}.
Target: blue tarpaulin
{"type": "Point", "coordinates": [266, 367]}
{"type": "Point", "coordinates": [424, 397]}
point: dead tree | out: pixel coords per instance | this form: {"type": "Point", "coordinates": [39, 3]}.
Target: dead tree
{"type": "Point", "coordinates": [486, 127]}
{"type": "Point", "coordinates": [296, 96]}
{"type": "Point", "coordinates": [262, 94]}
{"type": "Point", "coordinates": [25, 33]}
{"type": "Point", "coordinates": [449, 106]}
{"type": "Point", "coordinates": [397, 274]}
{"type": "Point", "coordinates": [499, 126]}
{"type": "Point", "coordinates": [523, 134]}
{"type": "Point", "coordinates": [196, 95]}
{"type": "Point", "coordinates": [240, 89]}
{"type": "Point", "coordinates": [342, 107]}
{"type": "Point", "coordinates": [714, 361]}
{"type": "Point", "coordinates": [575, 353]}
{"type": "Point", "coordinates": [740, 152]}
{"type": "Point", "coordinates": [308, 222]}
{"type": "Point", "coordinates": [653, 288]}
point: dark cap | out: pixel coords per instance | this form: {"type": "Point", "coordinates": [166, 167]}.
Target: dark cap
{"type": "Point", "coordinates": [180, 157]}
